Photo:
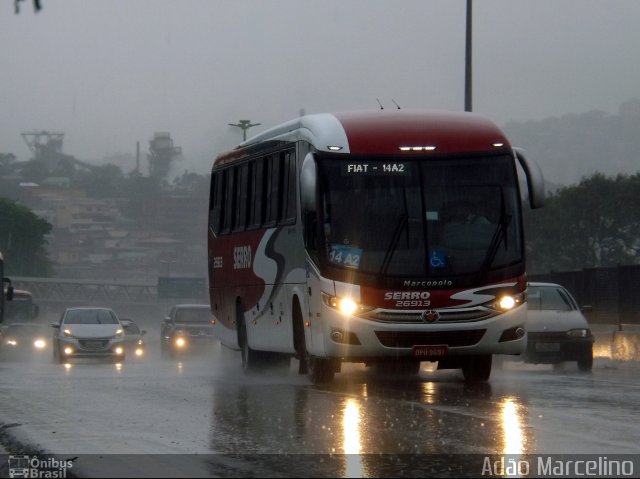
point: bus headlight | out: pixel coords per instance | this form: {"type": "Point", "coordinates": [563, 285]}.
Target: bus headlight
{"type": "Point", "coordinates": [347, 306]}
{"type": "Point", "coordinates": [40, 343]}
{"type": "Point", "coordinates": [506, 302]}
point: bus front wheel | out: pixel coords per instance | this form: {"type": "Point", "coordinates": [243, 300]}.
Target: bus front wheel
{"type": "Point", "coordinates": [477, 368]}
{"type": "Point", "coordinates": [321, 370]}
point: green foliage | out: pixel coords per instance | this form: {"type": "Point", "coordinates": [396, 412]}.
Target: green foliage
{"type": "Point", "coordinates": [593, 224]}
{"type": "Point", "coordinates": [22, 240]}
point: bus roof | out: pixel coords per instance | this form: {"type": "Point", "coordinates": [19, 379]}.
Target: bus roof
{"type": "Point", "coordinates": [384, 132]}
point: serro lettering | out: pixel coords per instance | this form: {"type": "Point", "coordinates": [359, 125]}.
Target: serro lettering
{"type": "Point", "coordinates": [242, 257]}
{"type": "Point", "coordinates": [400, 295]}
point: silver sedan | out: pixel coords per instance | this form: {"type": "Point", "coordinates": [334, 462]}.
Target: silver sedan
{"type": "Point", "coordinates": [88, 332]}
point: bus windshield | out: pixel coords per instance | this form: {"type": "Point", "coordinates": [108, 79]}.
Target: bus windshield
{"type": "Point", "coordinates": [409, 218]}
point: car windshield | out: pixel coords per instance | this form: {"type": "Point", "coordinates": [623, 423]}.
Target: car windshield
{"type": "Point", "coordinates": [193, 315]}
{"type": "Point", "coordinates": [90, 316]}
{"type": "Point", "coordinates": [549, 298]}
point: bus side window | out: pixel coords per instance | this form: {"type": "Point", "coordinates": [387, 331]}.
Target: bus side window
{"type": "Point", "coordinates": [256, 183]}
{"type": "Point", "coordinates": [272, 178]}
{"type": "Point", "coordinates": [288, 189]}
{"type": "Point", "coordinates": [215, 202]}
{"type": "Point", "coordinates": [240, 220]}
{"type": "Point", "coordinates": [229, 200]}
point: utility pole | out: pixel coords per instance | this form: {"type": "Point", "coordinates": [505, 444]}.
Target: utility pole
{"type": "Point", "coordinates": [468, 100]}
{"type": "Point", "coordinates": [244, 125]}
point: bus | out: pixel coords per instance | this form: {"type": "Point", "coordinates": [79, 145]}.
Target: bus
{"type": "Point", "coordinates": [7, 292]}
{"type": "Point", "coordinates": [22, 308]}
{"type": "Point", "coordinates": [380, 237]}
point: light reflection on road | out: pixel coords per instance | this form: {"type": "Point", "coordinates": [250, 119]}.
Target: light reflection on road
{"type": "Point", "coordinates": [352, 447]}
{"type": "Point", "coordinates": [512, 417]}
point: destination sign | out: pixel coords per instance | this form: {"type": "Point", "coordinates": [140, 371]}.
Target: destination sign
{"type": "Point", "coordinates": [376, 168]}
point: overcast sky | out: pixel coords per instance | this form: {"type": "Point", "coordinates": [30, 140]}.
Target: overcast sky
{"type": "Point", "coordinates": [109, 73]}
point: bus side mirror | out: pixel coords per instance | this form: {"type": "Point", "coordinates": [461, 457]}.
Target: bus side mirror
{"type": "Point", "coordinates": [9, 293]}
{"type": "Point", "coordinates": [535, 178]}
{"type": "Point", "coordinates": [308, 183]}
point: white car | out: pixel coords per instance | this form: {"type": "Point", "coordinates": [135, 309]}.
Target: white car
{"type": "Point", "coordinates": [88, 332]}
{"type": "Point", "coordinates": [557, 331]}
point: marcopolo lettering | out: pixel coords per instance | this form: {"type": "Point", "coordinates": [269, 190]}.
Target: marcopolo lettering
{"type": "Point", "coordinates": [427, 283]}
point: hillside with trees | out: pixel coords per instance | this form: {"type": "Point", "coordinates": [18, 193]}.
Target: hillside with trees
{"type": "Point", "coordinates": [575, 146]}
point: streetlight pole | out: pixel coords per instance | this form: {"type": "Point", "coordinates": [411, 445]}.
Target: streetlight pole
{"type": "Point", "coordinates": [244, 125]}
{"type": "Point", "coordinates": [468, 100]}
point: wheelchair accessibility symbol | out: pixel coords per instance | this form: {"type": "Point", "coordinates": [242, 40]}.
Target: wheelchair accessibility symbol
{"type": "Point", "coordinates": [437, 259]}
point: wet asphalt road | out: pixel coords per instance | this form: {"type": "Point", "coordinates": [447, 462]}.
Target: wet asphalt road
{"type": "Point", "coordinates": [162, 413]}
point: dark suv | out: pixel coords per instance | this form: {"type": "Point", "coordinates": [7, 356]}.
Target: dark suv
{"type": "Point", "coordinates": [187, 328]}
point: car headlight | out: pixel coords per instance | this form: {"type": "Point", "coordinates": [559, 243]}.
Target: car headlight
{"type": "Point", "coordinates": [12, 342]}
{"type": "Point", "coordinates": [119, 333]}
{"type": "Point", "coordinates": [67, 333]}
{"type": "Point", "coordinates": [181, 342]}
{"type": "Point", "coordinates": [347, 306]}
{"type": "Point", "coordinates": [506, 302]}
{"type": "Point", "coordinates": [578, 333]}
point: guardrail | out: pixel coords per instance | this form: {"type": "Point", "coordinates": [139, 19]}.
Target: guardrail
{"type": "Point", "coordinates": [617, 342]}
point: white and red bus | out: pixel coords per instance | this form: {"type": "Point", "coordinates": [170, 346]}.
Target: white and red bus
{"type": "Point", "coordinates": [382, 237]}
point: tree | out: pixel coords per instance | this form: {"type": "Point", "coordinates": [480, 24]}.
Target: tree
{"type": "Point", "coordinates": [593, 224]}
{"type": "Point", "coordinates": [22, 240]}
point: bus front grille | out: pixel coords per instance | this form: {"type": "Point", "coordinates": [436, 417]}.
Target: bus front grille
{"type": "Point", "coordinates": [460, 316]}
{"type": "Point", "coordinates": [408, 339]}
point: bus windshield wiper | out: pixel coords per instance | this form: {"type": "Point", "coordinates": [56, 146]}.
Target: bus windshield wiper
{"type": "Point", "coordinates": [402, 221]}
{"type": "Point", "coordinates": [499, 235]}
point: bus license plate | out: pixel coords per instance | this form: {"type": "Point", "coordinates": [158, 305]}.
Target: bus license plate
{"type": "Point", "coordinates": [431, 351]}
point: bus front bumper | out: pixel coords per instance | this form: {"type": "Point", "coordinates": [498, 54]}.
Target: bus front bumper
{"type": "Point", "coordinates": [354, 338]}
